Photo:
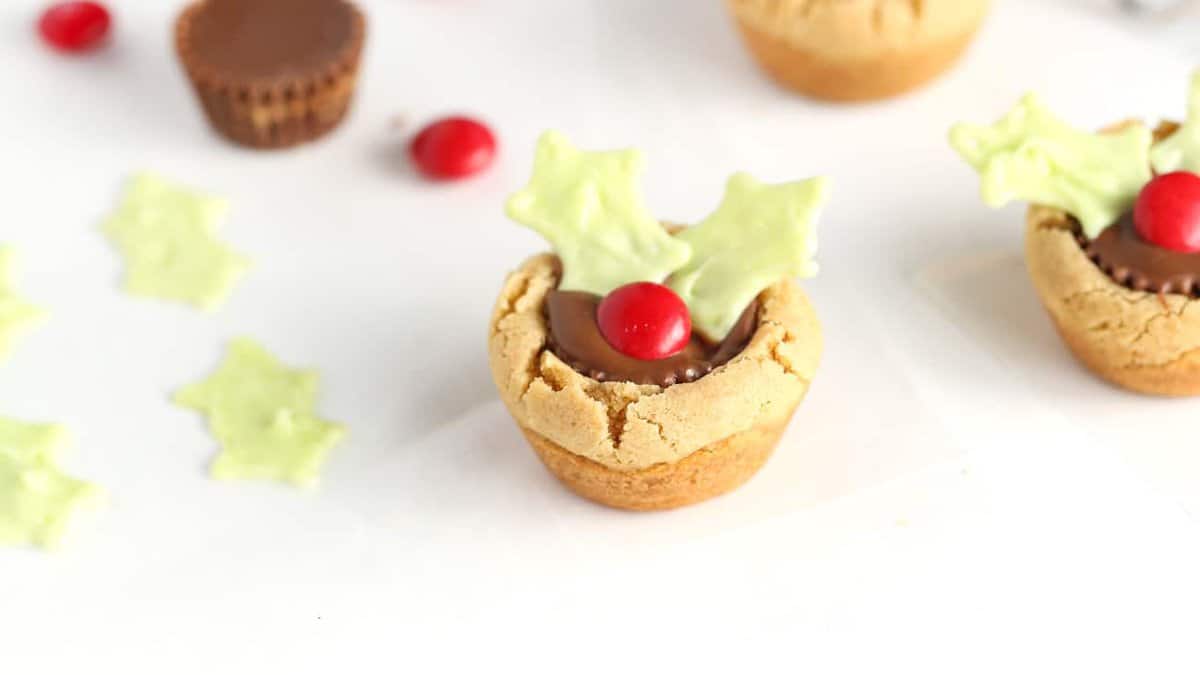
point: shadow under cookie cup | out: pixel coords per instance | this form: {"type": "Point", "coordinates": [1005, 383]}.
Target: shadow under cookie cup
{"type": "Point", "coordinates": [1144, 342]}
{"type": "Point", "coordinates": [810, 67]}
{"type": "Point", "coordinates": [644, 447]}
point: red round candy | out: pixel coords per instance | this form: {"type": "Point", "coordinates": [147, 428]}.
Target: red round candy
{"type": "Point", "coordinates": [74, 26]}
{"type": "Point", "coordinates": [645, 320]}
{"type": "Point", "coordinates": [454, 147]}
{"type": "Point", "coordinates": [1167, 212]}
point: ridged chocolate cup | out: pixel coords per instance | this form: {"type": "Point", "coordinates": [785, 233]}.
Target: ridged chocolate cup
{"type": "Point", "coordinates": [273, 110]}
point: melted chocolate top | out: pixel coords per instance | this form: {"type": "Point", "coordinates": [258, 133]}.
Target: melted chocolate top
{"type": "Point", "coordinates": [1135, 263]}
{"type": "Point", "coordinates": [271, 38]}
{"type": "Point", "coordinates": [576, 338]}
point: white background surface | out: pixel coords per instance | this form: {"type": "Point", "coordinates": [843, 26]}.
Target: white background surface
{"type": "Point", "coordinates": [955, 495]}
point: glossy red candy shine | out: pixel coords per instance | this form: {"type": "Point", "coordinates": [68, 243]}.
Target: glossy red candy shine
{"type": "Point", "coordinates": [645, 320]}
{"type": "Point", "coordinates": [1167, 212]}
{"type": "Point", "coordinates": [454, 147]}
{"type": "Point", "coordinates": [74, 26]}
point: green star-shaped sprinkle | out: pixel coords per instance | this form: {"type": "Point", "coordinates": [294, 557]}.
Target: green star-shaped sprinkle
{"type": "Point", "coordinates": [1033, 156]}
{"type": "Point", "coordinates": [758, 235]}
{"type": "Point", "coordinates": [37, 500]}
{"type": "Point", "coordinates": [589, 207]}
{"type": "Point", "coordinates": [16, 315]}
{"type": "Point", "coordinates": [167, 235]}
{"type": "Point", "coordinates": [262, 414]}
{"type": "Point", "coordinates": [1181, 151]}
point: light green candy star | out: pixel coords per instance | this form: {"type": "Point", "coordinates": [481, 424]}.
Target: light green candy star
{"type": "Point", "coordinates": [758, 235]}
{"type": "Point", "coordinates": [167, 235]}
{"type": "Point", "coordinates": [589, 207]}
{"type": "Point", "coordinates": [261, 413]}
{"type": "Point", "coordinates": [16, 315]}
{"type": "Point", "coordinates": [37, 500]}
{"type": "Point", "coordinates": [1033, 156]}
{"type": "Point", "coordinates": [1181, 150]}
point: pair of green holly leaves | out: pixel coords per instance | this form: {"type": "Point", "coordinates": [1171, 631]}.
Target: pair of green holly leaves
{"type": "Point", "coordinates": [589, 206]}
{"type": "Point", "coordinates": [1032, 156]}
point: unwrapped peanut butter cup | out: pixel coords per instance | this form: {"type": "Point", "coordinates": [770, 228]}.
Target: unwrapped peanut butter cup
{"type": "Point", "coordinates": [272, 73]}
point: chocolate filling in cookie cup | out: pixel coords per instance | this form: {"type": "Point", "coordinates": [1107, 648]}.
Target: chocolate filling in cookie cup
{"type": "Point", "coordinates": [272, 73]}
{"type": "Point", "coordinates": [856, 50]}
{"type": "Point", "coordinates": [648, 446]}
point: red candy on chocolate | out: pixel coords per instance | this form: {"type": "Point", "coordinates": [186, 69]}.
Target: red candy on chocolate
{"type": "Point", "coordinates": [74, 26]}
{"type": "Point", "coordinates": [1167, 212]}
{"type": "Point", "coordinates": [645, 320]}
{"type": "Point", "coordinates": [454, 147]}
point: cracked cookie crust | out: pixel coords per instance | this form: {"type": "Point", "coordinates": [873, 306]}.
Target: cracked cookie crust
{"type": "Point", "coordinates": [1145, 342]}
{"type": "Point", "coordinates": [644, 446]}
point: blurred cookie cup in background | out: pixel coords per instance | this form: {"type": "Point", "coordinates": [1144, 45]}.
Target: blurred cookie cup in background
{"type": "Point", "coordinates": [856, 50]}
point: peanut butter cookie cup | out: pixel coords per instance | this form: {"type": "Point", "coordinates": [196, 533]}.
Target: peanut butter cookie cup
{"type": "Point", "coordinates": [1112, 240]}
{"type": "Point", "coordinates": [652, 367]}
{"type": "Point", "coordinates": [856, 50]}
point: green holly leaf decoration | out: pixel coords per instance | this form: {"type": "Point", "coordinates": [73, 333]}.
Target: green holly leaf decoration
{"type": "Point", "coordinates": [16, 315]}
{"type": "Point", "coordinates": [263, 415]}
{"type": "Point", "coordinates": [1181, 150]}
{"type": "Point", "coordinates": [1032, 156]}
{"type": "Point", "coordinates": [758, 235]}
{"type": "Point", "coordinates": [167, 235]}
{"type": "Point", "coordinates": [37, 500]}
{"type": "Point", "coordinates": [589, 206]}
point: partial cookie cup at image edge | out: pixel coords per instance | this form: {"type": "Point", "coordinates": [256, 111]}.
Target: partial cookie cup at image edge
{"type": "Point", "coordinates": [1145, 342]}
{"type": "Point", "coordinates": [856, 50]}
{"type": "Point", "coordinates": [643, 447]}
